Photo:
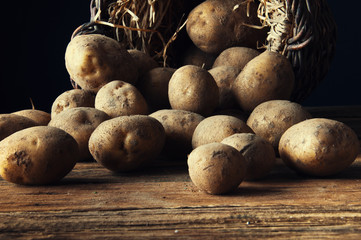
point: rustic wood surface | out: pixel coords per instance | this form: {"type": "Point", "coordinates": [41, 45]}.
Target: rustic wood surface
{"type": "Point", "coordinates": [160, 202]}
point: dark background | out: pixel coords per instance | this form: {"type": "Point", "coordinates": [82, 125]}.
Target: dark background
{"type": "Point", "coordinates": [35, 35]}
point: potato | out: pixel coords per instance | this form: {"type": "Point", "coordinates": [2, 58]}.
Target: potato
{"type": "Point", "coordinates": [11, 123]}
{"type": "Point", "coordinates": [71, 99]}
{"type": "Point", "coordinates": [216, 128]}
{"type": "Point", "coordinates": [272, 118]}
{"type": "Point", "coordinates": [93, 60]}
{"type": "Point", "coordinates": [224, 77]}
{"type": "Point", "coordinates": [216, 25]}
{"type": "Point", "coordinates": [126, 143]}
{"type": "Point", "coordinates": [269, 76]}
{"type": "Point", "coordinates": [179, 126]}
{"type": "Point", "coordinates": [37, 156]}
{"type": "Point", "coordinates": [258, 153]}
{"type": "Point", "coordinates": [80, 122]}
{"type": "Point", "coordinates": [194, 56]}
{"type": "Point", "coordinates": [40, 117]}
{"type": "Point", "coordinates": [236, 57]}
{"type": "Point", "coordinates": [319, 147]}
{"type": "Point", "coordinates": [118, 98]}
{"type": "Point", "coordinates": [193, 89]}
{"type": "Point", "coordinates": [143, 61]}
{"type": "Point", "coordinates": [238, 113]}
{"type": "Point", "coordinates": [154, 87]}
{"type": "Point", "coordinates": [216, 168]}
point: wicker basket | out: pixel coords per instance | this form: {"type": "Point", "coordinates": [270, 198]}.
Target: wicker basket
{"type": "Point", "coordinates": [302, 30]}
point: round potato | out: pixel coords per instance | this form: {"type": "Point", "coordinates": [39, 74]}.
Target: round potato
{"type": "Point", "coordinates": [125, 143]}
{"type": "Point", "coordinates": [143, 61]}
{"type": "Point", "coordinates": [179, 126]}
{"type": "Point", "coordinates": [80, 122]}
{"type": "Point", "coordinates": [71, 99]}
{"type": "Point", "coordinates": [93, 60]}
{"type": "Point", "coordinates": [216, 25]}
{"type": "Point", "coordinates": [41, 118]}
{"type": "Point", "coordinates": [272, 118]}
{"type": "Point", "coordinates": [216, 168]}
{"type": "Point", "coordinates": [119, 98]}
{"type": "Point", "coordinates": [216, 128]}
{"type": "Point", "coordinates": [236, 57]}
{"type": "Point", "coordinates": [11, 123]}
{"type": "Point", "coordinates": [319, 147]}
{"type": "Point", "coordinates": [154, 87]}
{"type": "Point", "coordinates": [193, 89]}
{"type": "Point", "coordinates": [194, 56]}
{"type": "Point", "coordinates": [224, 77]}
{"type": "Point", "coordinates": [258, 153]}
{"type": "Point", "coordinates": [37, 156]}
{"type": "Point", "coordinates": [269, 76]}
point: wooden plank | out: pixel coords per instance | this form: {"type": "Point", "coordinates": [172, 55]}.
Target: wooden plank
{"type": "Point", "coordinates": [161, 202]}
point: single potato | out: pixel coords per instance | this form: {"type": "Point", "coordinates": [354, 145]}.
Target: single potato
{"type": "Point", "coordinates": [179, 126]}
{"type": "Point", "coordinates": [11, 123]}
{"type": "Point", "coordinates": [93, 60]}
{"type": "Point", "coordinates": [319, 147]}
{"type": "Point", "coordinates": [71, 99]}
{"type": "Point", "coordinates": [80, 122]}
{"type": "Point", "coordinates": [258, 153]}
{"type": "Point", "coordinates": [216, 168]}
{"type": "Point", "coordinates": [236, 57]}
{"type": "Point", "coordinates": [143, 61]}
{"type": "Point", "coordinates": [269, 76]}
{"type": "Point", "coordinates": [126, 143]}
{"type": "Point", "coordinates": [272, 118]}
{"type": "Point", "coordinates": [118, 98]}
{"type": "Point", "coordinates": [40, 117]}
{"type": "Point", "coordinates": [194, 56]}
{"type": "Point", "coordinates": [216, 128]}
{"type": "Point", "coordinates": [37, 156]}
{"type": "Point", "coordinates": [193, 89]}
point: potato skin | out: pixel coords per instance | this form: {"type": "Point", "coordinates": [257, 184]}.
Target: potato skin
{"type": "Point", "coordinates": [216, 25]}
{"type": "Point", "coordinates": [71, 99]}
{"type": "Point", "coordinates": [93, 60]}
{"type": "Point", "coordinates": [258, 153]}
{"type": "Point", "coordinates": [179, 126]}
{"type": "Point", "coordinates": [41, 118]}
{"type": "Point", "coordinates": [119, 98]}
{"type": "Point", "coordinates": [272, 118]}
{"type": "Point", "coordinates": [37, 156]}
{"type": "Point", "coordinates": [319, 147]}
{"type": "Point", "coordinates": [192, 88]}
{"type": "Point", "coordinates": [269, 76]}
{"type": "Point", "coordinates": [237, 57]}
{"type": "Point", "coordinates": [216, 128]}
{"type": "Point", "coordinates": [80, 122]}
{"type": "Point", "coordinates": [11, 123]}
{"type": "Point", "coordinates": [216, 168]}
{"type": "Point", "coordinates": [125, 143]}
{"type": "Point", "coordinates": [143, 61]}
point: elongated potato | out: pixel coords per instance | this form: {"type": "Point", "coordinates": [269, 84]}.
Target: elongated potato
{"type": "Point", "coordinates": [11, 123]}
{"type": "Point", "coordinates": [40, 117]}
{"type": "Point", "coordinates": [37, 156]}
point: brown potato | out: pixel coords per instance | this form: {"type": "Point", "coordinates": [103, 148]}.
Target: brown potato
{"type": "Point", "coordinates": [269, 76]}
{"type": "Point", "coordinates": [193, 89]}
{"type": "Point", "coordinates": [272, 118]}
{"type": "Point", "coordinates": [93, 60]}
{"type": "Point", "coordinates": [319, 147]}
{"type": "Point", "coordinates": [216, 128]}
{"type": "Point", "coordinates": [80, 122]}
{"type": "Point", "coordinates": [37, 156]}
{"type": "Point", "coordinates": [216, 168]}
{"type": "Point", "coordinates": [258, 153]}
{"type": "Point", "coordinates": [236, 57]}
{"type": "Point", "coordinates": [216, 25]}
{"type": "Point", "coordinates": [125, 143]}
{"type": "Point", "coordinates": [143, 61]}
{"type": "Point", "coordinates": [179, 126]}
{"type": "Point", "coordinates": [11, 123]}
{"type": "Point", "coordinates": [224, 77]}
{"type": "Point", "coordinates": [195, 56]}
{"type": "Point", "coordinates": [71, 99]}
{"type": "Point", "coordinates": [118, 98]}
{"type": "Point", "coordinates": [154, 87]}
{"type": "Point", "coordinates": [41, 118]}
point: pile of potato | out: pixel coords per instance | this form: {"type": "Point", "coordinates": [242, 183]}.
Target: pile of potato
{"type": "Point", "coordinates": [229, 120]}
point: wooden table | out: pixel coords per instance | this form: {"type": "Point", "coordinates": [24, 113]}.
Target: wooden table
{"type": "Point", "coordinates": [160, 202]}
